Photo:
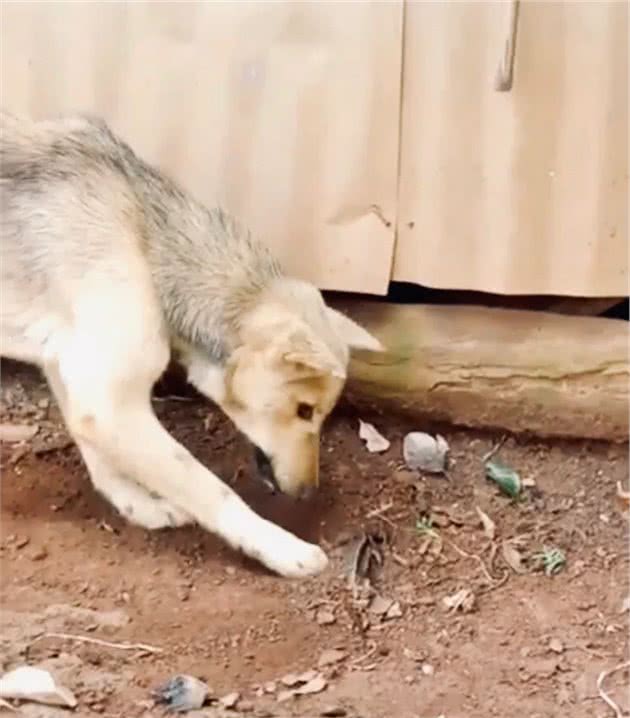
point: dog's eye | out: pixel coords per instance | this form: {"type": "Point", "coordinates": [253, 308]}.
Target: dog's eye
{"type": "Point", "coordinates": [305, 411]}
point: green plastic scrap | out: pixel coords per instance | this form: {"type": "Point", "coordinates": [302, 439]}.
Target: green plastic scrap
{"type": "Point", "coordinates": [506, 478]}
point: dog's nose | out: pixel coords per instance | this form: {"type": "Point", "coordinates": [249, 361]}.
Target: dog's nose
{"type": "Point", "coordinates": [265, 470]}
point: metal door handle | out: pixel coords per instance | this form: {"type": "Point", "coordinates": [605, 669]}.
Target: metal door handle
{"type": "Point", "coordinates": [505, 70]}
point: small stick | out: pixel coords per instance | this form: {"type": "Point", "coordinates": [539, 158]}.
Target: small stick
{"type": "Point", "coordinates": [602, 693]}
{"type": "Point", "coordinates": [379, 511]}
{"type": "Point", "coordinates": [461, 552]}
{"type": "Point", "coordinates": [99, 642]}
{"type": "Point", "coordinates": [494, 449]}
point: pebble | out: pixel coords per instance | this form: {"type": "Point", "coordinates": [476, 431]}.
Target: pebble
{"type": "Point", "coordinates": [230, 700]}
{"type": "Point", "coordinates": [325, 618]}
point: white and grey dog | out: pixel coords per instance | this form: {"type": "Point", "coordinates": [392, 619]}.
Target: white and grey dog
{"type": "Point", "coordinates": [108, 268]}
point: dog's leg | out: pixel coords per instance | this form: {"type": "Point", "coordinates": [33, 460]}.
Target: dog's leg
{"type": "Point", "coordinates": [107, 375]}
{"type": "Point", "coordinates": [133, 502]}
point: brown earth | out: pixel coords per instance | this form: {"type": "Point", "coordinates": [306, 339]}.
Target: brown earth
{"type": "Point", "coordinates": [522, 644]}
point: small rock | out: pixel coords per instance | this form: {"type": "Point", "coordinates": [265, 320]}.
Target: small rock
{"type": "Point", "coordinates": [427, 669]}
{"type": "Point", "coordinates": [333, 712]}
{"type": "Point", "coordinates": [422, 452]}
{"type": "Point", "coordinates": [270, 687]}
{"type": "Point", "coordinates": [394, 611]}
{"type": "Point", "coordinates": [556, 646]}
{"type": "Point", "coordinates": [22, 542]}
{"type": "Point", "coordinates": [374, 441]}
{"type": "Point", "coordinates": [230, 700]}
{"type": "Point", "coordinates": [39, 554]}
{"type": "Point", "coordinates": [35, 684]}
{"type": "Point", "coordinates": [14, 433]}
{"type": "Point", "coordinates": [330, 657]}
{"type": "Point", "coordinates": [182, 693]}
{"type": "Point", "coordinates": [325, 618]}
{"type": "Point", "coordinates": [379, 605]}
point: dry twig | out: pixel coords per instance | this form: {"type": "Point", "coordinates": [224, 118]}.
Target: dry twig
{"type": "Point", "coordinates": [487, 456]}
{"type": "Point", "coordinates": [474, 556]}
{"type": "Point", "coordinates": [602, 693]}
{"type": "Point", "coordinates": [144, 647]}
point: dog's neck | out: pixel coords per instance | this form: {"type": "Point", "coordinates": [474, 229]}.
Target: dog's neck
{"type": "Point", "coordinates": [208, 272]}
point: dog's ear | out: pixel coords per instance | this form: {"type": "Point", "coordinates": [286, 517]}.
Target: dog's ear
{"type": "Point", "coordinates": [355, 336]}
{"type": "Point", "coordinates": [309, 355]}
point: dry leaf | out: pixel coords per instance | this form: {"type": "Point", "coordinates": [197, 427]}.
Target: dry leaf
{"type": "Point", "coordinates": [290, 680]}
{"type": "Point", "coordinates": [512, 556]}
{"type": "Point", "coordinates": [489, 527]}
{"type": "Point", "coordinates": [308, 676]}
{"type": "Point", "coordinates": [463, 599]}
{"type": "Point", "coordinates": [285, 696]}
{"type": "Point", "coordinates": [35, 684]}
{"type": "Point", "coordinates": [315, 685]}
{"type": "Point", "coordinates": [14, 433]}
{"type": "Point", "coordinates": [330, 657]}
{"type": "Point", "coordinates": [422, 452]}
{"type": "Point", "coordinates": [375, 442]}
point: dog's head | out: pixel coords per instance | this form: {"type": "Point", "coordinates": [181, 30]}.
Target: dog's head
{"type": "Point", "coordinates": [285, 378]}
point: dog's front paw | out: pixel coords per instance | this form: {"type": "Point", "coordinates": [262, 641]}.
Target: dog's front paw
{"type": "Point", "coordinates": [297, 559]}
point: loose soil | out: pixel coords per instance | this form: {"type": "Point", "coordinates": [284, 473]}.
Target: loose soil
{"type": "Point", "coordinates": [521, 644]}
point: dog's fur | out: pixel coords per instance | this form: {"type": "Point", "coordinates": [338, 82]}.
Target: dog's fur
{"type": "Point", "coordinates": [108, 268]}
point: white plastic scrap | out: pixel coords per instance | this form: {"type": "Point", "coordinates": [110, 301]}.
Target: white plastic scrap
{"type": "Point", "coordinates": [37, 685]}
{"type": "Point", "coordinates": [375, 442]}
{"type": "Point", "coordinates": [422, 452]}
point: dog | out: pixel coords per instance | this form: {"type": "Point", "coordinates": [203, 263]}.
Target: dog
{"type": "Point", "coordinates": [108, 269]}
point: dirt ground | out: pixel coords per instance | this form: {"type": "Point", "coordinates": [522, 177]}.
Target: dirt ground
{"type": "Point", "coordinates": [457, 628]}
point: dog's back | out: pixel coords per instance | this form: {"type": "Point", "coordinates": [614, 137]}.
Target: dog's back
{"type": "Point", "coordinates": [64, 201]}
